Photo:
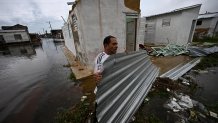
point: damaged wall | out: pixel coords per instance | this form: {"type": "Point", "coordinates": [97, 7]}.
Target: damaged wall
{"type": "Point", "coordinates": [95, 20]}
{"type": "Point", "coordinates": [208, 24]}
{"type": "Point", "coordinates": [15, 36]}
{"type": "Point", "coordinates": [172, 27]}
{"type": "Point", "coordinates": [68, 38]}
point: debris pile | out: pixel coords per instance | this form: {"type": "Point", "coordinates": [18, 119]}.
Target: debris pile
{"type": "Point", "coordinates": [177, 104]}
{"type": "Point", "coordinates": [169, 50]}
{"type": "Point", "coordinates": [174, 50]}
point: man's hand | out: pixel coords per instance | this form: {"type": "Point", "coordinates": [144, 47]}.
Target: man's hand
{"type": "Point", "coordinates": [98, 77]}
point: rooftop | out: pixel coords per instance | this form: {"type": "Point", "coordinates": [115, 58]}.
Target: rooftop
{"type": "Point", "coordinates": [208, 15]}
{"type": "Point", "coordinates": [177, 10]}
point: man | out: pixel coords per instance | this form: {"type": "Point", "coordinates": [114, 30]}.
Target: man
{"type": "Point", "coordinates": [110, 48]}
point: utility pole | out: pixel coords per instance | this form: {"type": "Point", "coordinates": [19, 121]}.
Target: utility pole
{"type": "Point", "coordinates": [43, 30]}
{"type": "Point", "coordinates": [50, 27]}
{"type": "Point", "coordinates": [63, 19]}
{"type": "Point", "coordinates": [50, 24]}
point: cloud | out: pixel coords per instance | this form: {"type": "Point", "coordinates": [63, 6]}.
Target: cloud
{"type": "Point", "coordinates": [36, 13]}
{"type": "Point", "coordinates": [149, 7]}
{"type": "Point", "coordinates": [33, 13]}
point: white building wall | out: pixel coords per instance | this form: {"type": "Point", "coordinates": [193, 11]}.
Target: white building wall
{"type": "Point", "coordinates": [205, 23]}
{"type": "Point", "coordinates": [167, 34]}
{"type": "Point", "coordinates": [106, 17]}
{"type": "Point", "coordinates": [68, 38]}
{"type": "Point", "coordinates": [214, 21]}
{"type": "Point", "coordinates": [185, 25]}
{"type": "Point", "coordinates": [9, 36]}
{"type": "Point", "coordinates": [141, 32]}
{"type": "Point", "coordinates": [208, 23]}
{"type": "Point", "coordinates": [178, 31]}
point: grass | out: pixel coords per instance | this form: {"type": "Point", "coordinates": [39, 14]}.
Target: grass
{"type": "Point", "coordinates": [208, 61]}
{"type": "Point", "coordinates": [72, 76]}
{"type": "Point", "coordinates": [81, 112]}
{"type": "Point", "coordinates": [206, 39]}
{"type": "Point", "coordinates": [75, 115]}
{"type": "Point", "coordinates": [213, 107]}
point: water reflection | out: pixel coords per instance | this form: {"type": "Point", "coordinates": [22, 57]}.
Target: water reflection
{"type": "Point", "coordinates": [34, 84]}
{"type": "Point", "coordinates": [18, 50]}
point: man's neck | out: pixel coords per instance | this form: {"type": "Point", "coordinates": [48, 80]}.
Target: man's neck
{"type": "Point", "coordinates": [107, 52]}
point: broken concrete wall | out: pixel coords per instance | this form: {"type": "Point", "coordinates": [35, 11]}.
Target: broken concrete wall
{"type": "Point", "coordinates": [185, 30]}
{"type": "Point", "coordinates": [10, 36]}
{"type": "Point", "coordinates": [97, 19]}
{"type": "Point", "coordinates": [141, 32]}
{"type": "Point", "coordinates": [207, 24]}
{"type": "Point", "coordinates": [68, 38]}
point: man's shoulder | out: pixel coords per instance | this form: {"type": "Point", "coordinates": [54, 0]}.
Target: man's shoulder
{"type": "Point", "coordinates": [101, 57]}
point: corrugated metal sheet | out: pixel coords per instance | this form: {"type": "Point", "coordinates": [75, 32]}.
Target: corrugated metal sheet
{"type": "Point", "coordinates": [181, 69]}
{"type": "Point", "coordinates": [213, 49]}
{"type": "Point", "coordinates": [208, 15]}
{"type": "Point", "coordinates": [176, 10]}
{"type": "Point", "coordinates": [127, 78]}
{"type": "Point", "coordinates": [198, 51]}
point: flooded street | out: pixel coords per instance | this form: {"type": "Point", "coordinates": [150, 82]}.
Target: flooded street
{"type": "Point", "coordinates": [34, 85]}
{"type": "Point", "coordinates": [208, 84]}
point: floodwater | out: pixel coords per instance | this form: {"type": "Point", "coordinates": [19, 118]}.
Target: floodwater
{"type": "Point", "coordinates": [34, 85]}
{"type": "Point", "coordinates": [208, 86]}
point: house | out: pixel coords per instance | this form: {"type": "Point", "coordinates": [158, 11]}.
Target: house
{"type": "Point", "coordinates": [207, 24]}
{"type": "Point", "coordinates": [57, 33]}
{"type": "Point", "coordinates": [14, 34]}
{"type": "Point", "coordinates": [176, 27]}
{"type": "Point", "coordinates": [90, 21]}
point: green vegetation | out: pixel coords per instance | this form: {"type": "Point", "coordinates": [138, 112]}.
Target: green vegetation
{"type": "Point", "coordinates": [213, 107]}
{"type": "Point", "coordinates": [75, 115]}
{"type": "Point", "coordinates": [206, 39]}
{"type": "Point", "coordinates": [72, 76]}
{"type": "Point", "coordinates": [80, 113]}
{"type": "Point", "coordinates": [208, 61]}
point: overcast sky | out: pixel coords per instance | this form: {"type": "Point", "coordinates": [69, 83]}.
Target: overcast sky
{"type": "Point", "coordinates": [37, 13]}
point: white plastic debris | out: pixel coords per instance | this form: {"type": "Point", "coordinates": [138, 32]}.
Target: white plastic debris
{"type": "Point", "coordinates": [185, 101]}
{"type": "Point", "coordinates": [203, 71]}
{"type": "Point", "coordinates": [173, 105]}
{"type": "Point", "coordinates": [186, 83]}
{"type": "Point", "coordinates": [83, 98]}
{"type": "Point", "coordinates": [168, 89]}
{"type": "Point", "coordinates": [174, 99]}
{"type": "Point", "coordinates": [212, 114]}
{"type": "Point", "coordinates": [146, 99]}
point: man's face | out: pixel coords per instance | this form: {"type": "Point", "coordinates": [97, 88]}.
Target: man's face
{"type": "Point", "coordinates": [112, 46]}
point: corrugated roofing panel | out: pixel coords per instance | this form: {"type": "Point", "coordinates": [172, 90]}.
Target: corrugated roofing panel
{"type": "Point", "coordinates": [176, 10]}
{"type": "Point", "coordinates": [209, 15]}
{"type": "Point", "coordinates": [181, 69]}
{"type": "Point", "coordinates": [127, 78]}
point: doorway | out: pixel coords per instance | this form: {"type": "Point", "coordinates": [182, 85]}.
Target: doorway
{"type": "Point", "coordinates": [131, 25]}
{"type": "Point", "coordinates": [191, 31]}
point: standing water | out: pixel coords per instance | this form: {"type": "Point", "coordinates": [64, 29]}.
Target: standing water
{"type": "Point", "coordinates": [34, 85]}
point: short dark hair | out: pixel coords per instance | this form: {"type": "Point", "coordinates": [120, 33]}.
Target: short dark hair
{"type": "Point", "coordinates": [107, 40]}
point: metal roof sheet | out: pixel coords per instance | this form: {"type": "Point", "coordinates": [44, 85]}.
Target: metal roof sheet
{"type": "Point", "coordinates": [127, 78]}
{"type": "Point", "coordinates": [208, 15]}
{"type": "Point", "coordinates": [181, 69]}
{"type": "Point", "coordinates": [177, 10]}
